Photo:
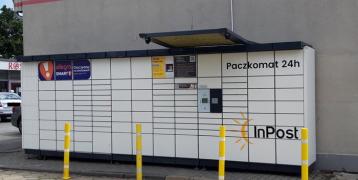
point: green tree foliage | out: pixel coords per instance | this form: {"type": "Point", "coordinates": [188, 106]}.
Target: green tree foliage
{"type": "Point", "coordinates": [10, 33]}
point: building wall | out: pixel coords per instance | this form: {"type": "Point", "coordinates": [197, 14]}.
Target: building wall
{"type": "Point", "coordinates": [330, 26]}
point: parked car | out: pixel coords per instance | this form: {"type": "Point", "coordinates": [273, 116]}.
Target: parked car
{"type": "Point", "coordinates": [16, 118]}
{"type": "Point", "coordinates": [7, 101]}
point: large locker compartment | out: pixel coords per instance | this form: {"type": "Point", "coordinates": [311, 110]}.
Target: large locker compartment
{"type": "Point", "coordinates": [264, 96]}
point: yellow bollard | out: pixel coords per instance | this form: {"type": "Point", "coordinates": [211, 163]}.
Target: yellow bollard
{"type": "Point", "coordinates": [304, 153]}
{"type": "Point", "coordinates": [66, 151]}
{"type": "Point", "coordinates": [222, 153]}
{"type": "Point", "coordinates": [139, 151]}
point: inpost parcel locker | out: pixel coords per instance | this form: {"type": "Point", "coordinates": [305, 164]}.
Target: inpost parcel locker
{"type": "Point", "coordinates": [263, 93]}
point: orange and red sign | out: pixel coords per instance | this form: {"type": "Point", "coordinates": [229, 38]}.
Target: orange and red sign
{"type": "Point", "coordinates": [46, 71]}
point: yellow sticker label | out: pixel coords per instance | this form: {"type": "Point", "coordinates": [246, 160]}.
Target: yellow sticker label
{"type": "Point", "coordinates": [158, 67]}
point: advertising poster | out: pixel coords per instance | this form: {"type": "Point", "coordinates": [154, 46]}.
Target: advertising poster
{"type": "Point", "coordinates": [81, 69]}
{"type": "Point", "coordinates": [158, 67]}
{"type": "Point", "coordinates": [162, 67]}
{"type": "Point", "coordinates": [46, 71]}
{"type": "Point", "coordinates": [63, 70]}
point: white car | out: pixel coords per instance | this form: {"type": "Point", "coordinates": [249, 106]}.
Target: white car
{"type": "Point", "coordinates": [7, 100]}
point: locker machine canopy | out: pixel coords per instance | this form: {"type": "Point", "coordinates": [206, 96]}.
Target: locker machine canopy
{"type": "Point", "coordinates": [195, 38]}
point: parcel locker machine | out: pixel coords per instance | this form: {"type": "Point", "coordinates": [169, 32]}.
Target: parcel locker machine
{"type": "Point", "coordinates": [181, 96]}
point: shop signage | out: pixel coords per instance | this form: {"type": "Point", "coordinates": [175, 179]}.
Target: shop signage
{"type": "Point", "coordinates": [14, 66]}
{"type": "Point", "coordinates": [81, 69]}
{"type": "Point", "coordinates": [46, 71]}
{"type": "Point", "coordinates": [64, 70]}
{"type": "Point", "coordinates": [11, 66]}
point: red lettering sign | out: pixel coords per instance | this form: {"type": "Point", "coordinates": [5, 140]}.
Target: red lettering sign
{"type": "Point", "coordinates": [14, 66]}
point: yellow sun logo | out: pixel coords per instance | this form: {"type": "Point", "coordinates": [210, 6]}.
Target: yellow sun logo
{"type": "Point", "coordinates": [244, 135]}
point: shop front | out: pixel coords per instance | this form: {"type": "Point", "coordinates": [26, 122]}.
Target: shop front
{"type": "Point", "coordinates": [10, 76]}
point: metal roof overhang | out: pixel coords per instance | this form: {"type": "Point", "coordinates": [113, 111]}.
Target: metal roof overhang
{"type": "Point", "coordinates": [195, 38]}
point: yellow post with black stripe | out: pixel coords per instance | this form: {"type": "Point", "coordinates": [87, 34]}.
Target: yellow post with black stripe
{"type": "Point", "coordinates": [304, 154]}
{"type": "Point", "coordinates": [66, 151]}
{"type": "Point", "coordinates": [139, 151]}
{"type": "Point", "coordinates": [222, 153]}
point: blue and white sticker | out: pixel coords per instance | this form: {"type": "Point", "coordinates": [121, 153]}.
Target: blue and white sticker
{"type": "Point", "coordinates": [81, 69]}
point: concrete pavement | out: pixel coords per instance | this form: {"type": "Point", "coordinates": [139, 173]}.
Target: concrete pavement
{"type": "Point", "coordinates": [16, 165]}
{"type": "Point", "coordinates": [28, 175]}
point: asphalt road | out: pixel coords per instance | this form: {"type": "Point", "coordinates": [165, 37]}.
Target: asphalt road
{"type": "Point", "coordinates": [10, 138]}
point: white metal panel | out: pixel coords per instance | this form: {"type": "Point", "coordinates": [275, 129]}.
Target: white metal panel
{"type": "Point", "coordinates": [142, 116]}
{"type": "Point", "coordinates": [47, 115]}
{"type": "Point", "coordinates": [261, 82]}
{"type": "Point", "coordinates": [141, 67]}
{"type": "Point", "coordinates": [264, 59]}
{"type": "Point", "coordinates": [142, 94]}
{"type": "Point", "coordinates": [30, 127]}
{"type": "Point", "coordinates": [122, 143]}
{"type": "Point", "coordinates": [45, 125]}
{"type": "Point", "coordinates": [29, 69]}
{"type": "Point", "coordinates": [210, 83]}
{"type": "Point", "coordinates": [191, 146]}
{"type": "Point", "coordinates": [310, 99]}
{"type": "Point", "coordinates": [64, 95]}
{"type": "Point", "coordinates": [121, 84]}
{"type": "Point", "coordinates": [164, 145]}
{"type": "Point", "coordinates": [289, 152]}
{"type": "Point", "coordinates": [120, 68]}
{"type": "Point", "coordinates": [237, 149]}
{"type": "Point", "coordinates": [122, 127]}
{"type": "Point", "coordinates": [289, 81]}
{"type": "Point", "coordinates": [102, 142]}
{"type": "Point", "coordinates": [289, 94]}
{"type": "Point", "coordinates": [255, 150]}
{"type": "Point", "coordinates": [83, 147]}
{"type": "Point", "coordinates": [101, 68]}
{"type": "Point", "coordinates": [142, 106]}
{"type": "Point", "coordinates": [262, 119]}
{"type": "Point", "coordinates": [82, 136]}
{"type": "Point", "coordinates": [122, 116]}
{"type": "Point", "coordinates": [29, 83]}
{"type": "Point", "coordinates": [231, 59]}
{"type": "Point", "coordinates": [261, 94]}
{"type": "Point", "coordinates": [121, 106]}
{"type": "Point", "coordinates": [48, 145]}
{"type": "Point", "coordinates": [64, 105]}
{"type": "Point", "coordinates": [209, 65]}
{"type": "Point", "coordinates": [261, 106]}
{"type": "Point", "coordinates": [46, 95]}
{"type": "Point", "coordinates": [289, 62]}
{"type": "Point", "coordinates": [30, 98]}
{"type": "Point", "coordinates": [46, 85]}
{"type": "Point", "coordinates": [64, 85]}
{"type": "Point", "coordinates": [30, 112]}
{"type": "Point", "coordinates": [141, 84]}
{"type": "Point", "coordinates": [30, 141]}
{"type": "Point", "coordinates": [163, 120]}
{"type": "Point", "coordinates": [289, 107]}
{"type": "Point", "coordinates": [289, 120]}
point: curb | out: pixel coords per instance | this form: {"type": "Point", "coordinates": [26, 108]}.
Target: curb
{"type": "Point", "coordinates": [98, 174]}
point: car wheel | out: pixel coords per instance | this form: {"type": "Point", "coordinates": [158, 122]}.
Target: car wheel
{"type": "Point", "coordinates": [3, 119]}
{"type": "Point", "coordinates": [20, 125]}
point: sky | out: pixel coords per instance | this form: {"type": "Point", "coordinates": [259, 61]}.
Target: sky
{"type": "Point", "coordinates": [8, 3]}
